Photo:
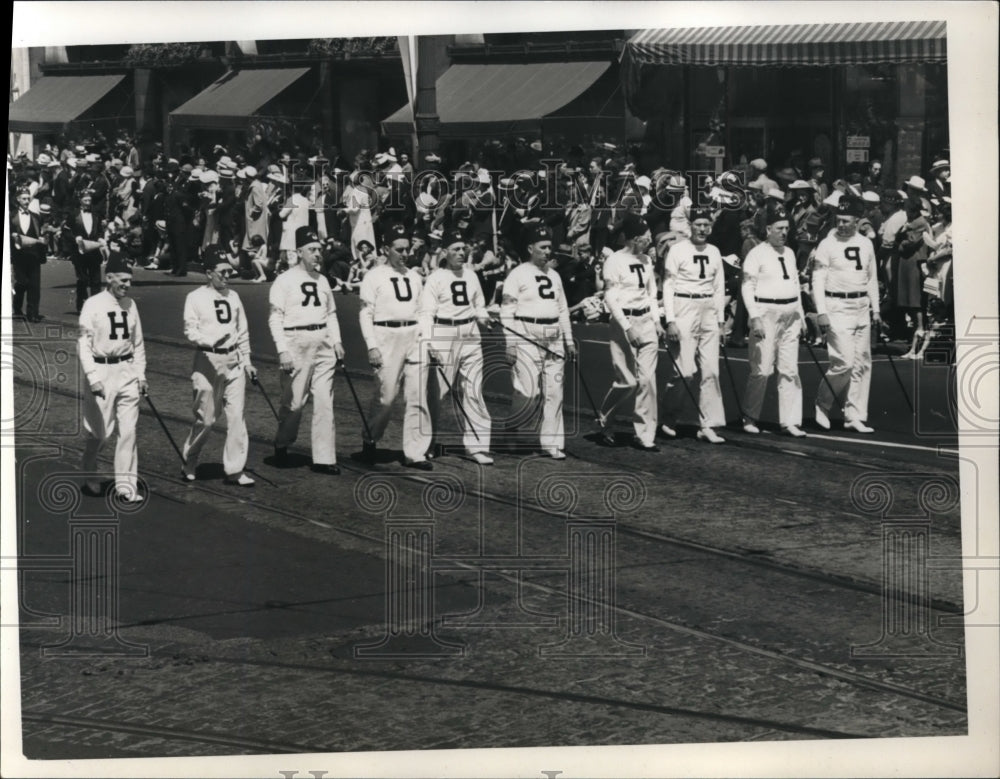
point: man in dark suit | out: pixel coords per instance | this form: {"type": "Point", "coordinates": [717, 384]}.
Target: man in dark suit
{"type": "Point", "coordinates": [27, 253]}
{"type": "Point", "coordinates": [87, 257]}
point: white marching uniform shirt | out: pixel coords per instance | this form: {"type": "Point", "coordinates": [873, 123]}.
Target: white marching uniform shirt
{"type": "Point", "coordinates": [694, 298]}
{"type": "Point", "coordinates": [218, 376]}
{"type": "Point", "coordinates": [771, 293]}
{"type": "Point", "coordinates": [303, 322]}
{"type": "Point", "coordinates": [630, 297]}
{"type": "Point", "coordinates": [450, 304]}
{"type": "Point", "coordinates": [389, 323]}
{"type": "Point", "coordinates": [845, 288]}
{"type": "Point", "coordinates": [534, 304]}
{"type": "Point", "coordinates": [112, 353]}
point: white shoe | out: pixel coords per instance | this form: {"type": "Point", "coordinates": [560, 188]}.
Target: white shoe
{"type": "Point", "coordinates": [482, 458]}
{"type": "Point", "coordinates": [908, 356]}
{"type": "Point", "coordinates": [794, 431]}
{"type": "Point", "coordinates": [125, 497]}
{"type": "Point", "coordinates": [822, 419]}
{"type": "Point", "coordinates": [858, 426]}
{"type": "Point", "coordinates": [708, 434]}
{"type": "Point", "coordinates": [668, 431]}
{"type": "Point", "coordinates": [556, 454]}
{"type": "Point", "coordinates": [187, 472]}
{"type": "Point", "coordinates": [240, 481]}
{"type": "Point", "coordinates": [750, 427]}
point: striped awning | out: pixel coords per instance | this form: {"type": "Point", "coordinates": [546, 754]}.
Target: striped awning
{"type": "Point", "coordinates": [860, 43]}
{"type": "Point", "coordinates": [54, 101]}
{"type": "Point", "coordinates": [226, 103]}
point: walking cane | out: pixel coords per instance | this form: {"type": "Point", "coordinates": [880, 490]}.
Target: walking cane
{"type": "Point", "coordinates": [902, 387]}
{"type": "Point", "coordinates": [160, 420]}
{"type": "Point", "coordinates": [256, 381]}
{"type": "Point", "coordinates": [822, 373]}
{"type": "Point", "coordinates": [530, 340]}
{"type": "Point", "coordinates": [687, 387]}
{"type": "Point", "coordinates": [729, 370]}
{"type": "Point", "coordinates": [357, 402]}
{"type": "Point", "coordinates": [454, 397]}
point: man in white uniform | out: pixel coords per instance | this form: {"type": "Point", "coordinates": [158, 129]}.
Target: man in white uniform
{"type": "Point", "coordinates": [390, 296]}
{"type": "Point", "coordinates": [845, 286]}
{"type": "Point", "coordinates": [113, 358]}
{"type": "Point", "coordinates": [534, 304]}
{"type": "Point", "coordinates": [215, 322]}
{"type": "Point", "coordinates": [306, 333]}
{"type": "Point", "coordinates": [694, 298]}
{"type": "Point", "coordinates": [451, 309]}
{"type": "Point", "coordinates": [630, 296]}
{"type": "Point", "coordinates": [771, 294]}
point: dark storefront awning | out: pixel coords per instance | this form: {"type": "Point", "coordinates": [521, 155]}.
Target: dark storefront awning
{"type": "Point", "coordinates": [501, 99]}
{"type": "Point", "coordinates": [54, 101]}
{"type": "Point", "coordinates": [227, 102]}
{"type": "Point", "coordinates": [861, 43]}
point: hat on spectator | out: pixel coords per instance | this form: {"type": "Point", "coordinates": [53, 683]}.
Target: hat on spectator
{"type": "Point", "coordinates": [187, 167]}
{"type": "Point", "coordinates": [45, 207]}
{"type": "Point", "coordinates": [250, 172]}
{"type": "Point", "coordinates": [849, 206]}
{"type": "Point", "coordinates": [644, 182]}
{"type": "Point", "coordinates": [775, 214]}
{"type": "Point", "coordinates": [304, 236]}
{"type": "Point", "coordinates": [785, 174]}
{"type": "Point", "coordinates": [93, 158]}
{"type": "Point", "coordinates": [536, 145]}
{"type": "Point", "coordinates": [425, 202]}
{"type": "Point", "coordinates": [676, 183]}
{"type": "Point", "coordinates": [800, 184]}
{"type": "Point", "coordinates": [209, 177]}
{"type": "Point", "coordinates": [117, 266]}
{"type": "Point", "coordinates": [434, 235]}
{"type": "Point", "coordinates": [699, 213]}
{"type": "Point", "coordinates": [277, 177]}
{"type": "Point", "coordinates": [915, 182]}
{"type": "Point", "coordinates": [870, 196]}
{"type": "Point", "coordinates": [938, 165]}
{"type": "Point", "coordinates": [833, 198]}
{"type": "Point", "coordinates": [71, 161]}
{"type": "Point", "coordinates": [816, 162]}
{"type": "Point", "coordinates": [117, 162]}
{"type": "Point", "coordinates": [451, 237]}
{"type": "Point", "coordinates": [432, 157]}
{"type": "Point", "coordinates": [483, 176]}
{"type": "Point", "coordinates": [776, 193]}
{"type": "Point", "coordinates": [758, 164]}
{"type": "Point", "coordinates": [196, 174]}
{"type": "Point", "coordinates": [45, 159]}
{"type": "Point", "coordinates": [127, 172]}
{"type": "Point", "coordinates": [227, 172]}
{"type": "Point", "coordinates": [214, 258]}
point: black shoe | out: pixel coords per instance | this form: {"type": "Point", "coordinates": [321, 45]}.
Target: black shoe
{"type": "Point", "coordinates": [20, 315]}
{"type": "Point", "coordinates": [329, 470]}
{"type": "Point", "coordinates": [281, 456]}
{"type": "Point", "coordinates": [368, 452]}
{"type": "Point", "coordinates": [420, 465]}
{"type": "Point", "coordinates": [605, 438]}
{"type": "Point", "coordinates": [35, 317]}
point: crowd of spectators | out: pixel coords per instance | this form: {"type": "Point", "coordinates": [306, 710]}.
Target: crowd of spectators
{"type": "Point", "coordinates": [158, 212]}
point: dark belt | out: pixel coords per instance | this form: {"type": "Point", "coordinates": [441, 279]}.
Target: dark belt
{"type": "Point", "coordinates": [693, 295]}
{"type": "Point", "coordinates": [847, 295]}
{"type": "Point", "coordinates": [452, 322]}
{"type": "Point", "coordinates": [537, 320]}
{"type": "Point", "coordinates": [395, 323]}
{"type": "Point", "coordinates": [777, 301]}
{"type": "Point", "coordinates": [635, 311]}
{"type": "Point", "coordinates": [113, 360]}
{"type": "Point", "coordinates": [307, 327]}
{"type": "Point", "coordinates": [218, 350]}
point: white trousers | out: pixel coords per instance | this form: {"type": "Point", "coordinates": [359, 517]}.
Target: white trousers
{"type": "Point", "coordinates": [462, 354]}
{"type": "Point", "coordinates": [538, 376]}
{"type": "Point", "coordinates": [697, 351]}
{"type": "Point", "coordinates": [850, 372]}
{"type": "Point", "coordinates": [218, 381]}
{"type": "Point", "coordinates": [779, 348]}
{"type": "Point", "coordinates": [313, 363]}
{"type": "Point", "coordinates": [118, 409]}
{"type": "Point", "coordinates": [400, 368]}
{"type": "Point", "coordinates": [635, 375]}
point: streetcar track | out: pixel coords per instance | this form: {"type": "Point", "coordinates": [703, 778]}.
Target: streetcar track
{"type": "Point", "coordinates": [849, 677]}
{"type": "Point", "coordinates": [820, 576]}
{"type": "Point", "coordinates": [175, 734]}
